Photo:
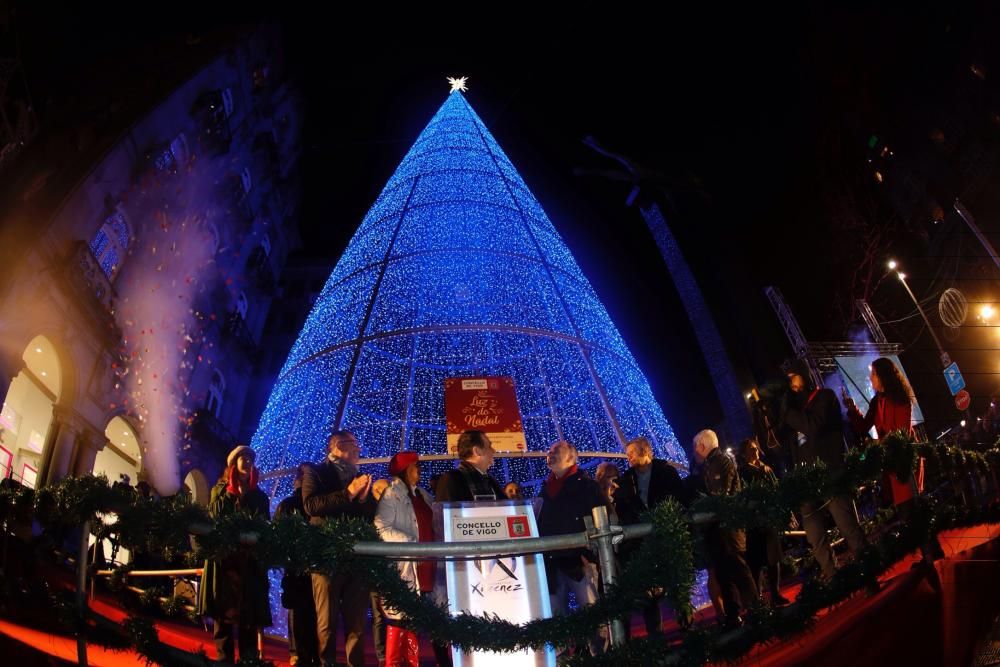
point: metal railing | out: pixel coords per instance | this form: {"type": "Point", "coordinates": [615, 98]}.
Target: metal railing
{"type": "Point", "coordinates": [601, 536]}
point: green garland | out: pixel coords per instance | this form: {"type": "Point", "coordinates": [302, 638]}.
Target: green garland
{"type": "Point", "coordinates": [663, 560]}
{"type": "Point", "coordinates": [764, 624]}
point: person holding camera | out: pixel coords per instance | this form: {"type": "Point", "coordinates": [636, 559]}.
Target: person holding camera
{"type": "Point", "coordinates": [813, 413]}
{"type": "Point", "coordinates": [335, 489]}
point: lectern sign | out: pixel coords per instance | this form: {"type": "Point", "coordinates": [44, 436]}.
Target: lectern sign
{"type": "Point", "coordinates": [513, 588]}
{"type": "Point", "coordinates": [487, 404]}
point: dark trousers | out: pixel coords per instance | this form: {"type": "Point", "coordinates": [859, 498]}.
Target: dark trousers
{"type": "Point", "coordinates": [336, 597]}
{"type": "Point", "coordinates": [651, 618]}
{"type": "Point", "coordinates": [303, 643]}
{"type": "Point", "coordinates": [841, 508]}
{"type": "Point", "coordinates": [729, 560]}
{"type": "Point", "coordinates": [931, 549]}
{"type": "Point", "coordinates": [764, 553]}
{"type": "Point", "coordinates": [246, 639]}
{"type": "Point", "coordinates": [378, 629]}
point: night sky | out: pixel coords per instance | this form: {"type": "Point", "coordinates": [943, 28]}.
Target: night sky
{"type": "Point", "coordinates": [751, 124]}
{"type": "Point", "coordinates": [752, 130]}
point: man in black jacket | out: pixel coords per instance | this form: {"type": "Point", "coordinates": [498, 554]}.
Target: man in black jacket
{"type": "Point", "coordinates": [470, 481]}
{"type": "Point", "coordinates": [726, 547]}
{"type": "Point", "coordinates": [296, 592]}
{"type": "Point", "coordinates": [647, 483]}
{"type": "Point", "coordinates": [334, 489]}
{"type": "Point", "coordinates": [568, 496]}
{"type": "Point", "coordinates": [813, 413]}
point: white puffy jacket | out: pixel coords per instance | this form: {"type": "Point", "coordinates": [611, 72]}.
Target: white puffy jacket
{"type": "Point", "coordinates": [397, 522]}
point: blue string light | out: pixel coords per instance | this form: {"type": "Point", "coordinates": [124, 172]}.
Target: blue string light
{"type": "Point", "coordinates": [456, 270]}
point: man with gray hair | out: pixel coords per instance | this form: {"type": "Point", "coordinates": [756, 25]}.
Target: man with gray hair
{"type": "Point", "coordinates": [336, 490]}
{"type": "Point", "coordinates": [726, 547]}
{"type": "Point", "coordinates": [647, 483]}
{"type": "Point", "coordinates": [569, 495]}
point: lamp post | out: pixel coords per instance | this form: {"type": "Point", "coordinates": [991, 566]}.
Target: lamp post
{"type": "Point", "coordinates": [945, 358]}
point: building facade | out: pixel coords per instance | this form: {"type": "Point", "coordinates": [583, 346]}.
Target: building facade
{"type": "Point", "coordinates": [133, 302]}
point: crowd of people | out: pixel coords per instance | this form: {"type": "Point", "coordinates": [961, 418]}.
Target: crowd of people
{"type": "Point", "coordinates": [743, 566]}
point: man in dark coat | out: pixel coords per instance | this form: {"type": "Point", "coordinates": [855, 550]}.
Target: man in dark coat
{"type": "Point", "coordinates": [726, 547]}
{"type": "Point", "coordinates": [234, 591]}
{"type": "Point", "coordinates": [568, 496]}
{"type": "Point", "coordinates": [296, 592]}
{"type": "Point", "coordinates": [470, 481]}
{"type": "Point", "coordinates": [813, 413]}
{"type": "Point", "coordinates": [647, 483]}
{"type": "Point", "coordinates": [335, 489]}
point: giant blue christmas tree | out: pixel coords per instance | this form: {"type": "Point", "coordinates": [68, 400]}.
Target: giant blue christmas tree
{"type": "Point", "coordinates": [457, 271]}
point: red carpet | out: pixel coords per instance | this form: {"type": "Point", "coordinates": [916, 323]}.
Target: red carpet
{"type": "Point", "coordinates": [908, 622]}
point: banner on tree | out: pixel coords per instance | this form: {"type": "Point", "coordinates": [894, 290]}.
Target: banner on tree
{"type": "Point", "coordinates": [513, 588]}
{"type": "Point", "coordinates": [487, 404]}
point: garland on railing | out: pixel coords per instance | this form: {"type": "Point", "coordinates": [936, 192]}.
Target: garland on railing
{"type": "Point", "coordinates": [765, 623]}
{"type": "Point", "coordinates": [664, 559]}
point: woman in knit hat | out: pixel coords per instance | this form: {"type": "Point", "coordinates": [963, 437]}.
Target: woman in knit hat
{"type": "Point", "coordinates": [234, 591]}
{"type": "Point", "coordinates": [404, 515]}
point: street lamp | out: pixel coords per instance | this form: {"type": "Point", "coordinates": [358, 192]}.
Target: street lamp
{"type": "Point", "coordinates": [945, 359]}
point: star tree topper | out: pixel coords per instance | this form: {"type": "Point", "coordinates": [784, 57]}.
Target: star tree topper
{"type": "Point", "coordinates": [458, 84]}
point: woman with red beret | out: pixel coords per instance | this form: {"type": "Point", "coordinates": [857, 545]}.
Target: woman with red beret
{"type": "Point", "coordinates": [404, 515]}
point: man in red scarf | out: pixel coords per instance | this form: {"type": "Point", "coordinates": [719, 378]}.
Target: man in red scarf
{"type": "Point", "coordinates": [336, 490]}
{"type": "Point", "coordinates": [568, 496]}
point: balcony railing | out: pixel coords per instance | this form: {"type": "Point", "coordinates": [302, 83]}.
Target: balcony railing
{"type": "Point", "coordinates": [208, 430]}
{"type": "Point", "coordinates": [87, 282]}
{"type": "Point", "coordinates": [237, 333]}
{"type": "Point", "coordinates": [213, 123]}
{"type": "Point", "coordinates": [259, 270]}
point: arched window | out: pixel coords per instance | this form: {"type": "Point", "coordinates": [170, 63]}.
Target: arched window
{"type": "Point", "coordinates": [111, 242]}
{"type": "Point", "coordinates": [216, 391]}
{"type": "Point", "coordinates": [242, 305]}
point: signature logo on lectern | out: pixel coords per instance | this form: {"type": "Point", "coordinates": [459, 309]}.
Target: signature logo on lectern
{"type": "Point", "coordinates": [496, 576]}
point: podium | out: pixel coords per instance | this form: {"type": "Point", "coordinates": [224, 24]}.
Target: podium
{"type": "Point", "coordinates": [514, 588]}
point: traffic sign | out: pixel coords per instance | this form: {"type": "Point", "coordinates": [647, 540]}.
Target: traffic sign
{"type": "Point", "coordinates": [953, 377]}
{"type": "Point", "coordinates": [962, 400]}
